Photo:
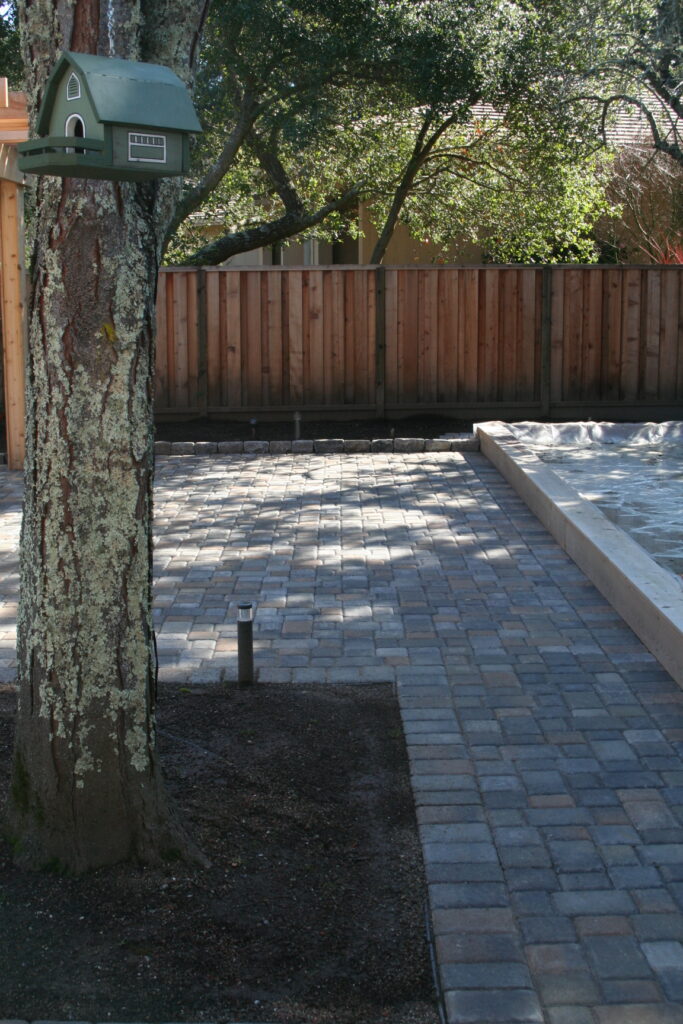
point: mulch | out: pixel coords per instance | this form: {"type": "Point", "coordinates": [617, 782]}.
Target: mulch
{"type": "Point", "coordinates": [312, 911]}
{"type": "Point", "coordinates": [309, 429]}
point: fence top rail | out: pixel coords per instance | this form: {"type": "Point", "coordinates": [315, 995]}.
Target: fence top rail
{"type": "Point", "coordinates": [278, 267]}
{"type": "Point", "coordinates": [620, 267]}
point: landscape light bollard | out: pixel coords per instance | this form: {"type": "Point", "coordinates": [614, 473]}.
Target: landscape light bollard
{"type": "Point", "coordinates": [245, 643]}
{"type": "Point", "coordinates": [297, 426]}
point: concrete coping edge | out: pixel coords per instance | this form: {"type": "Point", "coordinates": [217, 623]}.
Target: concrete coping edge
{"type": "Point", "coordinates": [647, 596]}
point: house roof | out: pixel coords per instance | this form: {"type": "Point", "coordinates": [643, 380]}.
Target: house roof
{"type": "Point", "coordinates": [627, 125]}
{"type": "Point", "coordinates": [125, 92]}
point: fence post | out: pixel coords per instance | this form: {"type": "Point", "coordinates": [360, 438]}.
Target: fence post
{"type": "Point", "coordinates": [13, 316]}
{"type": "Point", "coordinates": [546, 337]}
{"type": "Point", "coordinates": [202, 345]}
{"type": "Point", "coordinates": [380, 340]}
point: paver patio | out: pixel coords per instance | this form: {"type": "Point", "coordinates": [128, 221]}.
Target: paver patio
{"type": "Point", "coordinates": [545, 742]}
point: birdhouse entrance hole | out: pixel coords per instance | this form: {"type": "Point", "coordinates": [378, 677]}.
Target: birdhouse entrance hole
{"type": "Point", "coordinates": [74, 128]}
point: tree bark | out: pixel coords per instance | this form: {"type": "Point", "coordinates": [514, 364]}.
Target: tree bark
{"type": "Point", "coordinates": [86, 789]}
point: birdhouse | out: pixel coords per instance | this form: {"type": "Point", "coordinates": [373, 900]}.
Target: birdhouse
{"type": "Point", "coordinates": [102, 117]}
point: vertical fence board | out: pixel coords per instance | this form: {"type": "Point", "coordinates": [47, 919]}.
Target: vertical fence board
{"type": "Point", "coordinates": [573, 333]}
{"type": "Point", "coordinates": [369, 374]}
{"type": "Point", "coordinates": [391, 335]}
{"type": "Point", "coordinates": [528, 375]}
{"type": "Point", "coordinates": [556, 336]}
{"type": "Point", "coordinates": [670, 336]}
{"type": "Point", "coordinates": [335, 321]}
{"type": "Point", "coordinates": [161, 365]}
{"type": "Point", "coordinates": [350, 338]}
{"type": "Point", "coordinates": [448, 340]}
{"type": "Point", "coordinates": [489, 338]}
{"type": "Point", "coordinates": [653, 322]}
{"type": "Point", "coordinates": [630, 337]}
{"type": "Point", "coordinates": [191, 288]}
{"type": "Point", "coordinates": [181, 394]}
{"type": "Point", "coordinates": [279, 338]}
{"type": "Point", "coordinates": [294, 341]}
{"type": "Point", "coordinates": [314, 314]}
{"type": "Point", "coordinates": [427, 331]}
{"type": "Point", "coordinates": [378, 285]}
{"type": "Point", "coordinates": [272, 366]}
{"type": "Point", "coordinates": [408, 294]}
{"type": "Point", "coordinates": [361, 317]}
{"type": "Point", "coordinates": [611, 331]}
{"type": "Point", "coordinates": [214, 340]}
{"type": "Point", "coordinates": [508, 334]}
{"type": "Point", "coordinates": [544, 369]}
{"type": "Point", "coordinates": [170, 341]}
{"type": "Point", "coordinates": [591, 341]}
{"type": "Point", "coordinates": [423, 330]}
{"type": "Point", "coordinates": [679, 377]}
{"type": "Point", "coordinates": [232, 346]}
{"type": "Point", "coordinates": [468, 333]}
{"type": "Point", "coordinates": [250, 311]}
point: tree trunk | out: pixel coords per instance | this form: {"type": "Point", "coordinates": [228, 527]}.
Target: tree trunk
{"type": "Point", "coordinates": [403, 189]}
{"type": "Point", "coordinates": [389, 226]}
{"type": "Point", "coordinates": [86, 788]}
{"type": "Point", "coordinates": [422, 149]}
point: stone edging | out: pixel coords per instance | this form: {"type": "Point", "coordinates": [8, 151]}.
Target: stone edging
{"type": "Point", "coordinates": [330, 446]}
{"type": "Point", "coordinates": [647, 596]}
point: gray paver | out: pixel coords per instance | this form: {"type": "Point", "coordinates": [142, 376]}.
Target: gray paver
{"type": "Point", "coordinates": [569, 988]}
{"type": "Point", "coordinates": [640, 1013]}
{"type": "Point", "coordinates": [486, 976]}
{"type": "Point", "coordinates": [545, 742]}
{"type": "Point", "coordinates": [570, 1015]}
{"type": "Point", "coordinates": [507, 1006]}
{"type": "Point", "coordinates": [617, 956]}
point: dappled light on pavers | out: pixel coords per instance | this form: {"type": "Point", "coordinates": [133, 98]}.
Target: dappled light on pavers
{"type": "Point", "coordinates": [545, 741]}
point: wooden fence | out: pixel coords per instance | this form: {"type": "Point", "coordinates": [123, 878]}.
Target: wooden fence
{"type": "Point", "coordinates": [467, 341]}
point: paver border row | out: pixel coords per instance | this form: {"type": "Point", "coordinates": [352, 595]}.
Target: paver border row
{"type": "Point", "coordinates": [321, 446]}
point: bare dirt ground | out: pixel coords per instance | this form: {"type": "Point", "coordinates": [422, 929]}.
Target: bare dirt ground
{"type": "Point", "coordinates": [310, 429]}
{"type": "Point", "coordinates": [312, 910]}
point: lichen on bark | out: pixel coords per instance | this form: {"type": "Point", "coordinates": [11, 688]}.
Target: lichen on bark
{"type": "Point", "coordinates": [87, 786]}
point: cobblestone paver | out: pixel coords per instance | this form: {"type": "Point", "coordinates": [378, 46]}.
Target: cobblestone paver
{"type": "Point", "coordinates": [545, 742]}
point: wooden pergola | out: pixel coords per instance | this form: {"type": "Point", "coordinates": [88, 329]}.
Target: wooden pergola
{"type": "Point", "coordinates": [13, 129]}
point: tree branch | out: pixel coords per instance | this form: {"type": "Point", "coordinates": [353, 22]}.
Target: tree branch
{"type": "Point", "coordinates": [421, 151]}
{"type": "Point", "coordinates": [282, 183]}
{"type": "Point", "coordinates": [268, 234]}
{"type": "Point", "coordinates": [667, 96]}
{"type": "Point", "coordinates": [658, 141]}
{"type": "Point", "coordinates": [192, 200]}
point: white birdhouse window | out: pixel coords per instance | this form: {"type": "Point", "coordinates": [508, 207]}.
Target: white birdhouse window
{"type": "Point", "coordinates": [148, 149]}
{"type": "Point", "coordinates": [73, 88]}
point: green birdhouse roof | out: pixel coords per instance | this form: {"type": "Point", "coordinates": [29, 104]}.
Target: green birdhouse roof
{"type": "Point", "coordinates": [125, 92]}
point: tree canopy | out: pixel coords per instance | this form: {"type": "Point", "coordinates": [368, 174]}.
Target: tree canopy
{"type": "Point", "coordinates": [610, 54]}
{"type": "Point", "coordinates": [10, 53]}
{"type": "Point", "coordinates": [311, 107]}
